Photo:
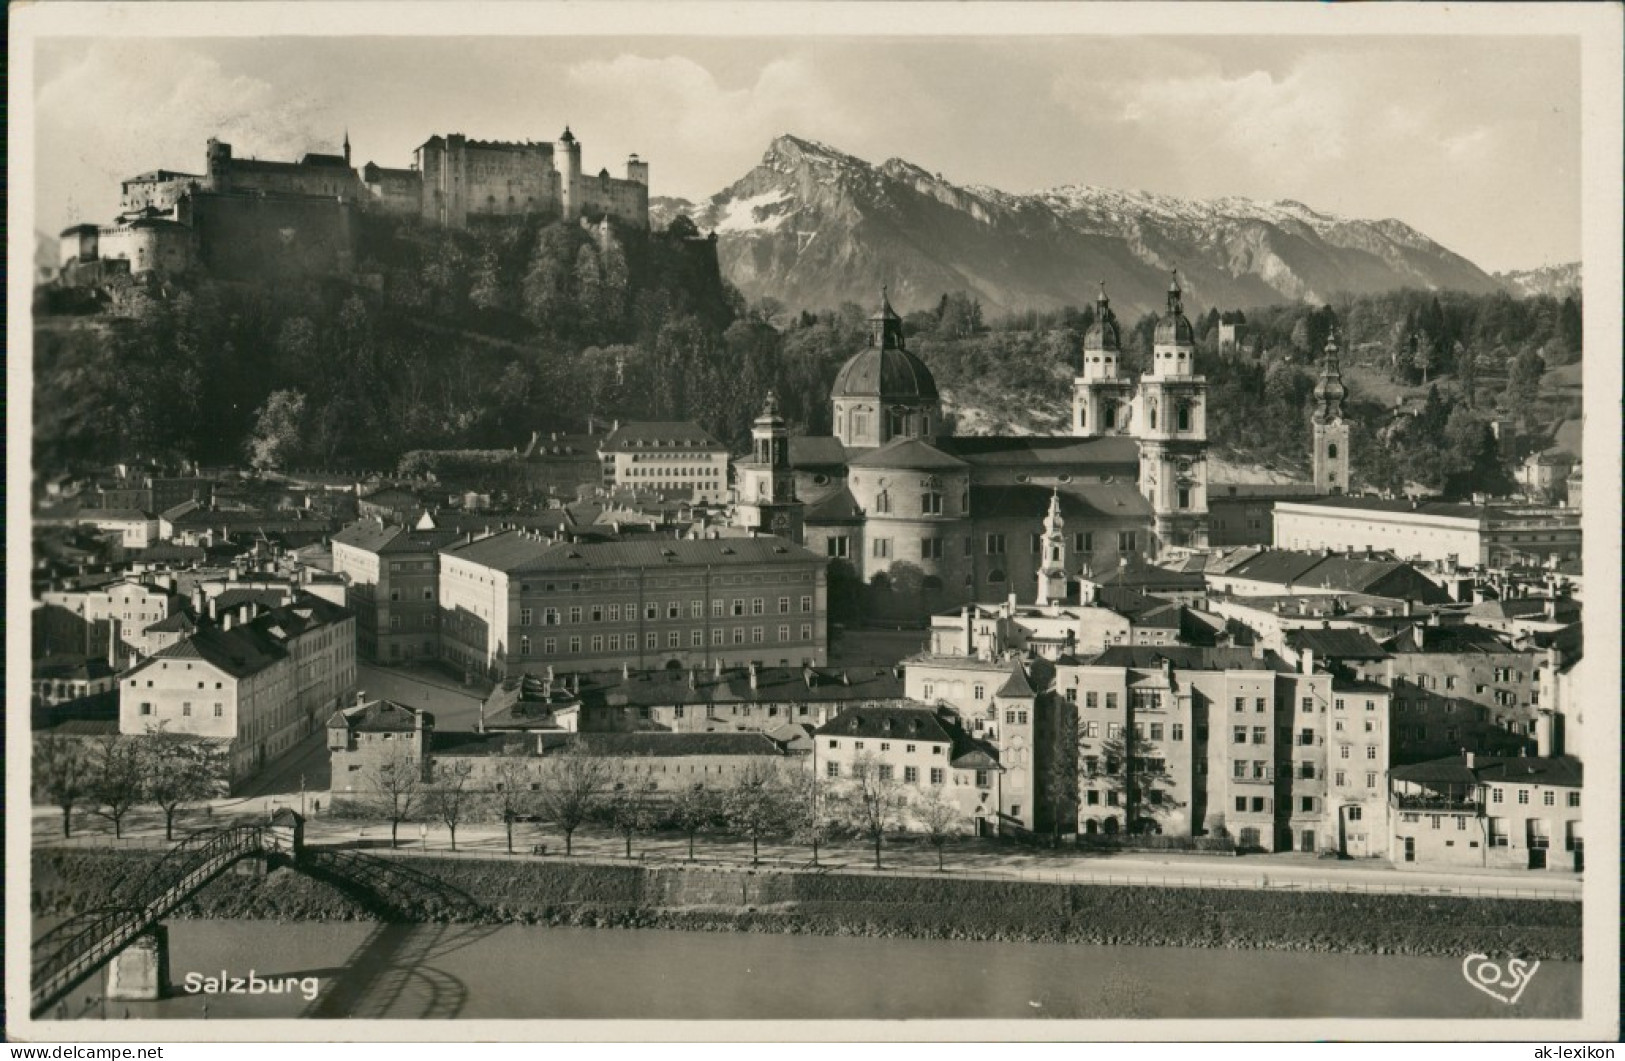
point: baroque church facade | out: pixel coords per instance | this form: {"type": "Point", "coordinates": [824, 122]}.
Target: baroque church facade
{"type": "Point", "coordinates": [982, 517]}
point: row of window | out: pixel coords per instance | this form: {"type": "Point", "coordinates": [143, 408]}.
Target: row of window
{"type": "Point", "coordinates": [1547, 798]}
{"type": "Point", "coordinates": [885, 746]}
{"type": "Point", "coordinates": [655, 610]}
{"type": "Point", "coordinates": [911, 774]}
{"type": "Point", "coordinates": [674, 639]}
{"type": "Point", "coordinates": [146, 708]}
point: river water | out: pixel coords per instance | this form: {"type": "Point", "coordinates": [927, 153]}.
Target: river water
{"type": "Point", "coordinates": [364, 970]}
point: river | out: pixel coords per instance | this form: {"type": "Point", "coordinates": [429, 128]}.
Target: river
{"type": "Point", "coordinates": [364, 970]}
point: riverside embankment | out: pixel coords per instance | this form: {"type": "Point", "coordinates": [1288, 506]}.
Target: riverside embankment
{"type": "Point", "coordinates": [575, 893]}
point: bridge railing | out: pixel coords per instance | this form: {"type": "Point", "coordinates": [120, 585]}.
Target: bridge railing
{"type": "Point", "coordinates": [65, 956]}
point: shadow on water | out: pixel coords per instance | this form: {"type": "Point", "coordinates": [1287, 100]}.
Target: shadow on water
{"type": "Point", "coordinates": [390, 974]}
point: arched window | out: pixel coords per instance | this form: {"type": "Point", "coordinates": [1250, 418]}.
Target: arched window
{"type": "Point", "coordinates": [1111, 414]}
{"type": "Point", "coordinates": [1331, 451]}
{"type": "Point", "coordinates": [996, 575]}
{"type": "Point", "coordinates": [1151, 415]}
{"type": "Point", "coordinates": [1083, 416]}
{"type": "Point", "coordinates": [1184, 416]}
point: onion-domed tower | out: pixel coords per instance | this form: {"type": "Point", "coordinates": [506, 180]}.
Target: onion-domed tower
{"type": "Point", "coordinates": [1102, 397]}
{"type": "Point", "coordinates": [884, 392]}
{"type": "Point", "coordinates": [1173, 432]}
{"type": "Point", "coordinates": [1331, 431]}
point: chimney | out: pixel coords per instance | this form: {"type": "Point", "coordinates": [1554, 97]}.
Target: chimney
{"type": "Point", "coordinates": [550, 672]}
{"type": "Point", "coordinates": [212, 609]}
{"type": "Point", "coordinates": [753, 676]}
{"type": "Point", "coordinates": [225, 620]}
{"type": "Point", "coordinates": [1307, 661]}
{"type": "Point", "coordinates": [1468, 759]}
{"type": "Point", "coordinates": [1410, 608]}
{"type": "Point", "coordinates": [626, 671]}
{"type": "Point", "coordinates": [1550, 609]}
{"type": "Point", "coordinates": [112, 643]}
{"type": "Point", "coordinates": [808, 675]}
{"type": "Point", "coordinates": [693, 678]}
{"type": "Point", "coordinates": [1258, 649]}
{"type": "Point", "coordinates": [1543, 734]}
{"type": "Point", "coordinates": [717, 668]}
{"type": "Point", "coordinates": [547, 687]}
{"type": "Point", "coordinates": [360, 697]}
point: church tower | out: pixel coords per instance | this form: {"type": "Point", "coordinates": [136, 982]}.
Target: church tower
{"type": "Point", "coordinates": [1173, 432]}
{"type": "Point", "coordinates": [1101, 395]}
{"type": "Point", "coordinates": [1052, 563]}
{"type": "Point", "coordinates": [1331, 431]}
{"type": "Point", "coordinates": [767, 492]}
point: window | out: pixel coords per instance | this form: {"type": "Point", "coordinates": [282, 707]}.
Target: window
{"type": "Point", "coordinates": [1091, 699]}
{"type": "Point", "coordinates": [1261, 735]}
{"type": "Point", "coordinates": [784, 606]}
{"type": "Point", "coordinates": [1549, 799]}
{"type": "Point", "coordinates": [982, 778]}
{"type": "Point", "coordinates": [1343, 751]}
{"type": "Point", "coordinates": [1111, 701]}
{"type": "Point", "coordinates": [832, 769]}
{"type": "Point", "coordinates": [1370, 780]}
{"type": "Point", "coordinates": [880, 548]}
{"type": "Point", "coordinates": [806, 603]}
{"type": "Point", "coordinates": [1241, 734]}
{"type": "Point", "coordinates": [719, 607]}
{"type": "Point", "coordinates": [524, 645]}
{"type": "Point", "coordinates": [930, 548]}
{"type": "Point", "coordinates": [1072, 694]}
{"type": "Point", "coordinates": [674, 639]}
{"type": "Point", "coordinates": [1260, 705]}
{"type": "Point", "coordinates": [757, 606]}
{"type": "Point", "coordinates": [1125, 541]}
{"type": "Point", "coordinates": [1354, 814]}
{"type": "Point", "coordinates": [1114, 730]}
{"type": "Point", "coordinates": [1306, 803]}
{"type": "Point", "coordinates": [1156, 729]}
{"type": "Point", "coordinates": [1241, 703]}
{"type": "Point", "coordinates": [219, 710]}
{"type": "Point", "coordinates": [937, 775]}
{"type": "Point", "coordinates": [650, 641]}
{"type": "Point", "coordinates": [575, 643]}
{"type": "Point", "coordinates": [978, 692]}
{"type": "Point", "coordinates": [883, 502]}
{"type": "Point", "coordinates": [1574, 799]}
{"type": "Point", "coordinates": [995, 545]}
{"type": "Point", "coordinates": [931, 503]}
{"type": "Point", "coordinates": [1241, 804]}
{"type": "Point", "coordinates": [1177, 731]}
{"type": "Point", "coordinates": [1308, 705]}
{"type": "Point", "coordinates": [911, 775]}
{"type": "Point", "coordinates": [575, 614]}
{"type": "Point", "coordinates": [1091, 729]}
{"type": "Point", "coordinates": [1239, 767]}
{"type": "Point", "coordinates": [1306, 737]}
{"type": "Point", "coordinates": [524, 616]}
{"type": "Point", "coordinates": [1341, 779]}
{"type": "Point", "coordinates": [1083, 542]}
{"type": "Point", "coordinates": [1523, 796]}
{"type": "Point", "coordinates": [1370, 751]}
{"type": "Point", "coordinates": [1338, 703]}
{"type": "Point", "coordinates": [1496, 795]}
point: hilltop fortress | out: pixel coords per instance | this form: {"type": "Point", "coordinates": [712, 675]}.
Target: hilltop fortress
{"type": "Point", "coordinates": [246, 216]}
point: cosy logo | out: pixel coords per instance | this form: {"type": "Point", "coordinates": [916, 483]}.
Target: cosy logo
{"type": "Point", "coordinates": [1503, 984]}
{"type": "Point", "coordinates": [252, 984]}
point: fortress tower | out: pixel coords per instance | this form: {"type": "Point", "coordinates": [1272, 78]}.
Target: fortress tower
{"type": "Point", "coordinates": [567, 160]}
{"type": "Point", "coordinates": [767, 493]}
{"type": "Point", "coordinates": [1173, 432]}
{"type": "Point", "coordinates": [1101, 395]}
{"type": "Point", "coordinates": [1331, 432]}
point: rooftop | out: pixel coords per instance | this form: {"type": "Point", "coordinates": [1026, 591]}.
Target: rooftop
{"type": "Point", "coordinates": [1188, 658]}
{"type": "Point", "coordinates": [660, 434]}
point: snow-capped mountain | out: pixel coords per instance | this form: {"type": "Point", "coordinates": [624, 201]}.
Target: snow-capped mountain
{"type": "Point", "coordinates": [813, 227]}
{"type": "Point", "coordinates": [1559, 281]}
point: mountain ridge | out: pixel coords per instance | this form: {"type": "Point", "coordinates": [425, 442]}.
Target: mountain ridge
{"type": "Point", "coordinates": [813, 226]}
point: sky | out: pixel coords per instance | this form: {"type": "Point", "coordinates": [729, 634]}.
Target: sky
{"type": "Point", "coordinates": [1474, 141]}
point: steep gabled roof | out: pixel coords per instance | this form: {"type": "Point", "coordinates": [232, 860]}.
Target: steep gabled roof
{"type": "Point", "coordinates": [1016, 685]}
{"type": "Point", "coordinates": [839, 507]}
{"type": "Point", "coordinates": [1336, 644]}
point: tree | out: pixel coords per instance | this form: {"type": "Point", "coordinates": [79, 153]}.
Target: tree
{"type": "Point", "coordinates": [694, 810]}
{"type": "Point", "coordinates": [116, 778]}
{"type": "Point", "coordinates": [629, 806]}
{"type": "Point", "coordinates": [449, 798]}
{"type": "Point", "coordinates": [756, 805]}
{"type": "Point", "coordinates": [1060, 772]}
{"type": "Point", "coordinates": [62, 774]}
{"type": "Point", "coordinates": [873, 800]}
{"type": "Point", "coordinates": [178, 770]}
{"type": "Point", "coordinates": [1523, 380]}
{"type": "Point", "coordinates": [573, 784]}
{"type": "Point", "coordinates": [811, 821]}
{"type": "Point", "coordinates": [512, 779]}
{"type": "Point", "coordinates": [940, 819]}
{"type": "Point", "coordinates": [1141, 781]}
{"type": "Point", "coordinates": [396, 783]}
{"type": "Point", "coordinates": [279, 426]}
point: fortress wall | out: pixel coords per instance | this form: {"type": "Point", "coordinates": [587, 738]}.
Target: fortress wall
{"type": "Point", "coordinates": [250, 236]}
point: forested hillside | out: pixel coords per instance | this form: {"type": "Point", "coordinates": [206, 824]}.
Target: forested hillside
{"type": "Point", "coordinates": [475, 339]}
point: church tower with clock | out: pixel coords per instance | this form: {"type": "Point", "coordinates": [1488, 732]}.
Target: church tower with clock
{"type": "Point", "coordinates": [1331, 430]}
{"type": "Point", "coordinates": [767, 488]}
{"type": "Point", "coordinates": [1172, 433]}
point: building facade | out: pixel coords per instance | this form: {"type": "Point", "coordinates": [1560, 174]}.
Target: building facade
{"type": "Point", "coordinates": [1472, 810]}
{"type": "Point", "coordinates": [1472, 535]}
{"type": "Point", "coordinates": [679, 456]}
{"type": "Point", "coordinates": [393, 576]}
{"type": "Point", "coordinates": [518, 603]}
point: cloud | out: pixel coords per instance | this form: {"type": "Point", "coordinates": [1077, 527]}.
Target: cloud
{"type": "Point", "coordinates": [118, 107]}
{"type": "Point", "coordinates": [701, 133]}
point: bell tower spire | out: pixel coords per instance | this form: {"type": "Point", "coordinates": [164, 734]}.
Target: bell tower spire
{"type": "Point", "coordinates": [1052, 563]}
{"type": "Point", "coordinates": [1330, 459]}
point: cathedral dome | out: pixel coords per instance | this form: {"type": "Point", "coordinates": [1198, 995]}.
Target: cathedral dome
{"type": "Point", "coordinates": [1103, 334]}
{"type": "Point", "coordinates": [888, 374]}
